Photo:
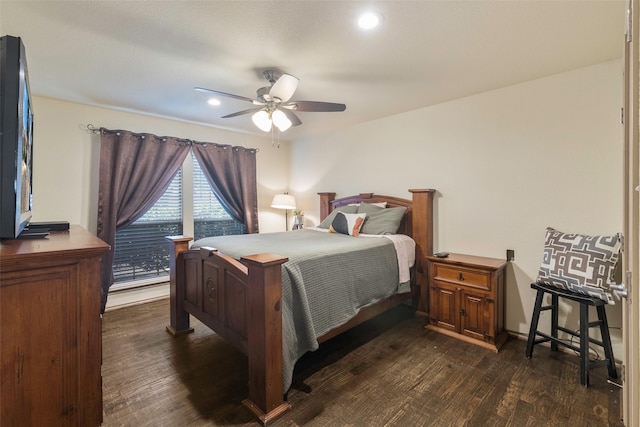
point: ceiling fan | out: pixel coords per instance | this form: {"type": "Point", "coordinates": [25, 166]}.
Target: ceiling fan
{"type": "Point", "coordinates": [273, 103]}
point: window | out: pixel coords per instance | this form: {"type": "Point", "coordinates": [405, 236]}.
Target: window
{"type": "Point", "coordinates": [141, 251]}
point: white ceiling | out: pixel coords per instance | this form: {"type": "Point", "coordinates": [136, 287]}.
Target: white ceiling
{"type": "Point", "coordinates": [146, 56]}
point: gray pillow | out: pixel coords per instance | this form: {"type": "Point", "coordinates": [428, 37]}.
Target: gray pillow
{"type": "Point", "coordinates": [368, 208]}
{"type": "Point", "coordinates": [384, 221]}
{"type": "Point", "coordinates": [329, 219]}
{"type": "Point", "coordinates": [580, 263]}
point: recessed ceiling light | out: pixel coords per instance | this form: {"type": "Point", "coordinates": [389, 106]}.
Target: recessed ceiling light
{"type": "Point", "coordinates": [213, 101]}
{"type": "Point", "coordinates": [369, 20]}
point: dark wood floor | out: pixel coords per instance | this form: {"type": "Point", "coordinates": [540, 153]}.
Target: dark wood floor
{"type": "Point", "coordinates": [387, 372]}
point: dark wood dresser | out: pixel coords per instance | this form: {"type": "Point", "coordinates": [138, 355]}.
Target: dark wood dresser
{"type": "Point", "coordinates": [51, 330]}
{"type": "Point", "coordinates": [466, 299]}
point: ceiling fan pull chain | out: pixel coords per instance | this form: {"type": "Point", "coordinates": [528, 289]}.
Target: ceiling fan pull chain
{"type": "Point", "coordinates": [275, 136]}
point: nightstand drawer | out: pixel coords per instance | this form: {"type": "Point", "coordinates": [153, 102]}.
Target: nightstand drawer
{"type": "Point", "coordinates": [462, 276]}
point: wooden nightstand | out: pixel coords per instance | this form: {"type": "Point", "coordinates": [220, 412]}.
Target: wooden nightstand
{"type": "Point", "coordinates": [466, 299]}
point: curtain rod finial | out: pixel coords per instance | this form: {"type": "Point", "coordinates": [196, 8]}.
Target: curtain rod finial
{"type": "Point", "coordinates": [92, 129]}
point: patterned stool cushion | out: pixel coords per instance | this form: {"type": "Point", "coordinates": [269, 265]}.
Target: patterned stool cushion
{"type": "Point", "coordinates": [580, 263]}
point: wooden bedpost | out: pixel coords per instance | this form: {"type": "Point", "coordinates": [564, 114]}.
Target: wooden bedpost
{"type": "Point", "coordinates": [264, 336]}
{"type": "Point", "coordinates": [179, 318]}
{"type": "Point", "coordinates": [325, 204]}
{"type": "Point", "coordinates": [422, 232]}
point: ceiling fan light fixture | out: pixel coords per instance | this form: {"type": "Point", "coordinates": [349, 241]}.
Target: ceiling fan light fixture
{"type": "Point", "coordinates": [274, 103]}
{"type": "Point", "coordinates": [281, 120]}
{"type": "Point", "coordinates": [262, 120]}
{"type": "Point", "coordinates": [284, 87]}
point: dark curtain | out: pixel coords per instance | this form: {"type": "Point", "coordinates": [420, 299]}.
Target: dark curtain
{"type": "Point", "coordinates": [135, 171]}
{"type": "Point", "coordinates": [231, 171]}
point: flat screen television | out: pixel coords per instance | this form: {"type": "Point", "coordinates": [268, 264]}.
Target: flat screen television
{"type": "Point", "coordinates": [16, 139]}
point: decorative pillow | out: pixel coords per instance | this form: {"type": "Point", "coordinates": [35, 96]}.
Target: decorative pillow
{"type": "Point", "coordinates": [329, 219]}
{"type": "Point", "coordinates": [347, 223]}
{"type": "Point", "coordinates": [384, 221]}
{"type": "Point", "coordinates": [579, 263]}
{"type": "Point", "coordinates": [370, 208]}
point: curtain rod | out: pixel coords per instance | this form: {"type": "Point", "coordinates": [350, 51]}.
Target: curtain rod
{"type": "Point", "coordinates": [96, 131]}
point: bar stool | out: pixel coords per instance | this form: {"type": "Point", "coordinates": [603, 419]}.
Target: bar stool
{"type": "Point", "coordinates": [583, 335]}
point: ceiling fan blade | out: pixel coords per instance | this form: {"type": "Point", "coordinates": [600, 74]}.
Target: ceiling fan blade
{"type": "Point", "coordinates": [315, 106]}
{"type": "Point", "coordinates": [295, 120]}
{"type": "Point", "coordinates": [229, 95]}
{"type": "Point", "coordinates": [240, 113]}
{"type": "Point", "coordinates": [284, 87]}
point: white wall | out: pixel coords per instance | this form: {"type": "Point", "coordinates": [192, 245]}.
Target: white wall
{"type": "Point", "coordinates": [66, 159]}
{"type": "Point", "coordinates": [506, 164]}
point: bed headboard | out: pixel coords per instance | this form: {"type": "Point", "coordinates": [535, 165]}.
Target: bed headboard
{"type": "Point", "coordinates": [419, 209]}
{"type": "Point", "coordinates": [417, 222]}
{"type": "Point", "coordinates": [405, 225]}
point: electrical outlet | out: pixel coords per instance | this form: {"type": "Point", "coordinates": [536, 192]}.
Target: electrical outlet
{"type": "Point", "coordinates": [511, 254]}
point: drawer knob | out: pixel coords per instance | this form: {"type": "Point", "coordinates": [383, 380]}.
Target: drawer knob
{"type": "Point", "coordinates": [460, 276]}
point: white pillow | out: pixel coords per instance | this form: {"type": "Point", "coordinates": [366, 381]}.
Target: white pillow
{"type": "Point", "coordinates": [380, 204]}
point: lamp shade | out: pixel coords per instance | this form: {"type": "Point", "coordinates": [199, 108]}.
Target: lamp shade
{"type": "Point", "coordinates": [281, 120]}
{"type": "Point", "coordinates": [283, 201]}
{"type": "Point", "coordinates": [262, 120]}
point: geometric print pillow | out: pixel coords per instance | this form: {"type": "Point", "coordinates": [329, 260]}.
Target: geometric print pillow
{"type": "Point", "coordinates": [579, 263]}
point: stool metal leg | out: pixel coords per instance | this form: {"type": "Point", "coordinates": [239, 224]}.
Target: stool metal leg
{"type": "Point", "coordinates": [534, 323]}
{"type": "Point", "coordinates": [606, 341]}
{"type": "Point", "coordinates": [584, 345]}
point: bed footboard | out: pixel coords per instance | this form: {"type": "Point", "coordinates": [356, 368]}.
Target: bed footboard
{"type": "Point", "coordinates": [240, 301]}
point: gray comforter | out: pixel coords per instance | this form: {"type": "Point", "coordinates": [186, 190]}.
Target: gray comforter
{"type": "Point", "coordinates": [326, 281]}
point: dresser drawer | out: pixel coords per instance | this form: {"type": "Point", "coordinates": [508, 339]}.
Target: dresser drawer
{"type": "Point", "coordinates": [462, 276]}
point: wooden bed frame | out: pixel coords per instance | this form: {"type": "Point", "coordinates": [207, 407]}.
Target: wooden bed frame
{"type": "Point", "coordinates": [241, 301]}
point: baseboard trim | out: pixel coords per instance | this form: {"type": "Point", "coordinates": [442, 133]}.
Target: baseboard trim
{"type": "Point", "coordinates": [134, 296]}
{"type": "Point", "coordinates": [525, 337]}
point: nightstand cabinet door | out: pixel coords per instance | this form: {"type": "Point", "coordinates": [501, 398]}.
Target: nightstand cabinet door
{"type": "Point", "coordinates": [466, 299]}
{"type": "Point", "coordinates": [475, 315]}
{"type": "Point", "coordinates": [444, 307]}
